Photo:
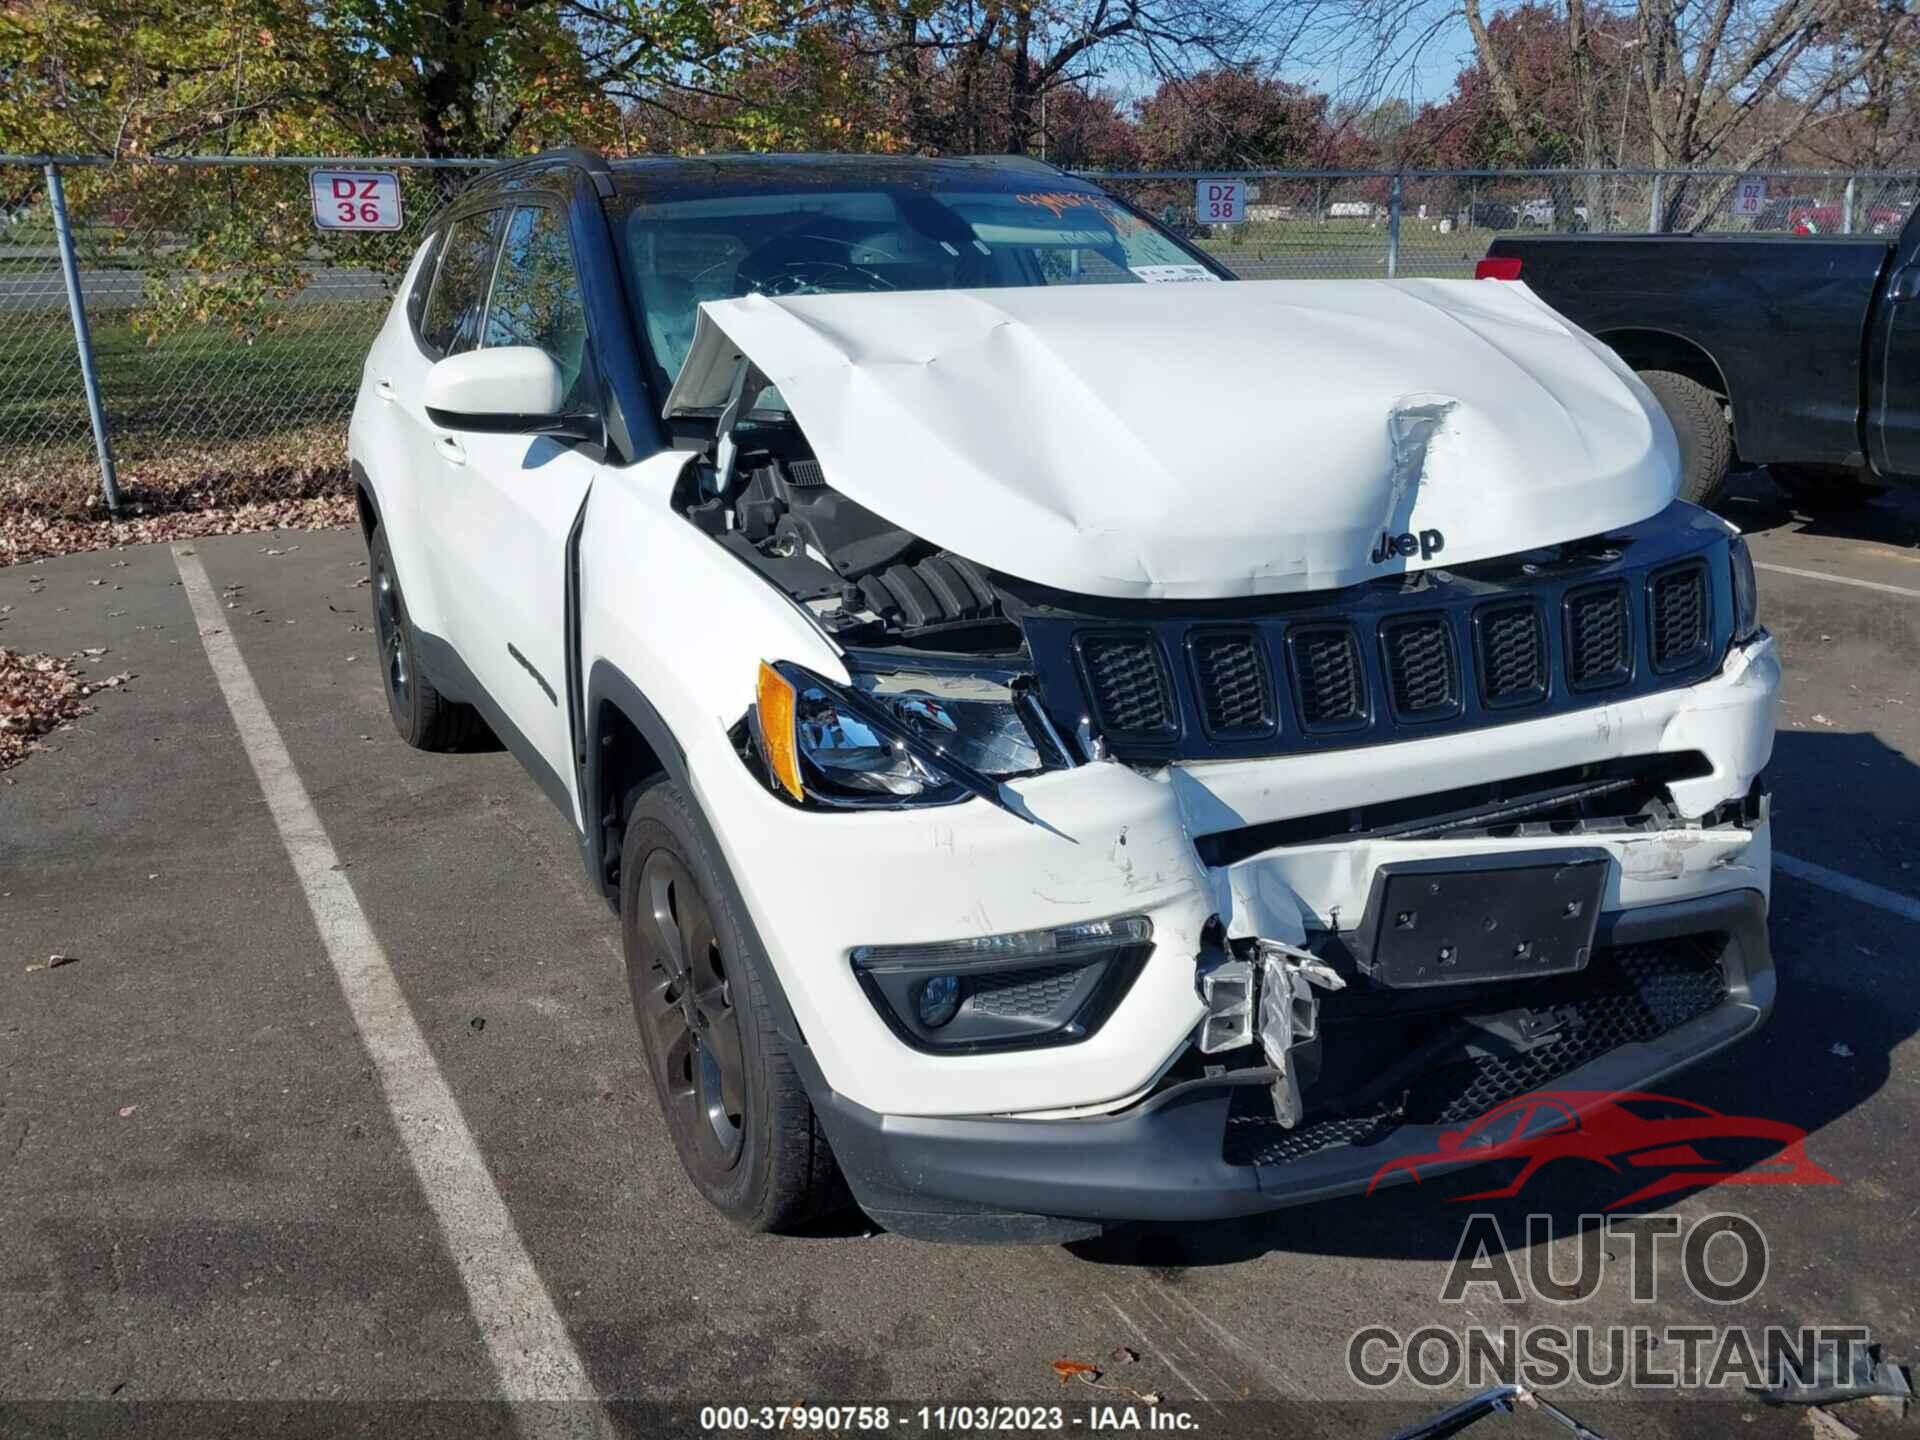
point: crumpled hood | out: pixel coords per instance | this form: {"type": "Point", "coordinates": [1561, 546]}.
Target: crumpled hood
{"type": "Point", "coordinates": [1207, 440]}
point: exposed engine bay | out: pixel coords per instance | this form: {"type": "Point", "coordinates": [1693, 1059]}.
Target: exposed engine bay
{"type": "Point", "coordinates": [866, 580]}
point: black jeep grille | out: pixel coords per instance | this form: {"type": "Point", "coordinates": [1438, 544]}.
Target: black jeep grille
{"type": "Point", "coordinates": [1513, 654]}
{"type": "Point", "coordinates": [1679, 615]}
{"type": "Point", "coordinates": [1129, 684]}
{"type": "Point", "coordinates": [1599, 637]}
{"type": "Point", "coordinates": [1235, 695]}
{"type": "Point", "coordinates": [1328, 681]}
{"type": "Point", "coordinates": [1423, 675]}
{"type": "Point", "coordinates": [1485, 644]}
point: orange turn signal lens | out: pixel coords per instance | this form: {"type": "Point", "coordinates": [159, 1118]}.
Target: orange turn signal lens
{"type": "Point", "coordinates": [774, 705]}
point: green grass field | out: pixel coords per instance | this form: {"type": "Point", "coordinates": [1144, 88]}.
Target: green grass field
{"type": "Point", "coordinates": [199, 384]}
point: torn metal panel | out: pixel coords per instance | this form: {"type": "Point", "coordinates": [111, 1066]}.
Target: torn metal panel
{"type": "Point", "coordinates": [1159, 441]}
{"type": "Point", "coordinates": [1290, 1016]}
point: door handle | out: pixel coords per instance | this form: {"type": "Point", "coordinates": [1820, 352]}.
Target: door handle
{"type": "Point", "coordinates": [386, 391]}
{"type": "Point", "coordinates": [1906, 285]}
{"type": "Point", "coordinates": [452, 451]}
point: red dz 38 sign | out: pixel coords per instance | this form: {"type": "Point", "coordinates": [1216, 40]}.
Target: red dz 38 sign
{"type": "Point", "coordinates": [355, 199]}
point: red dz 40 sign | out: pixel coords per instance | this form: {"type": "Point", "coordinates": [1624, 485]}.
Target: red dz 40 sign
{"type": "Point", "coordinates": [355, 199]}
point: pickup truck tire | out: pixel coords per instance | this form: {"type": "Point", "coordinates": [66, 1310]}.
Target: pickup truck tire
{"type": "Point", "coordinates": [425, 718]}
{"type": "Point", "coordinates": [734, 1102]}
{"type": "Point", "coordinates": [1823, 489]}
{"type": "Point", "coordinates": [1700, 422]}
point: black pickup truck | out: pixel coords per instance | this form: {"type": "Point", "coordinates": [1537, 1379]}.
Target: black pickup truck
{"type": "Point", "coordinates": [1802, 355]}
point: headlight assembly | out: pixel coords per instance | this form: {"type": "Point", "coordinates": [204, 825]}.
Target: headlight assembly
{"type": "Point", "coordinates": [1746, 593]}
{"type": "Point", "coordinates": [895, 737]}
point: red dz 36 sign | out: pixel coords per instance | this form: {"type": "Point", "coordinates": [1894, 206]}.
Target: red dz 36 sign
{"type": "Point", "coordinates": [355, 199]}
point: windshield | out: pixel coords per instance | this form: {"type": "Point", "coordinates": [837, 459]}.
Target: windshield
{"type": "Point", "coordinates": [812, 241]}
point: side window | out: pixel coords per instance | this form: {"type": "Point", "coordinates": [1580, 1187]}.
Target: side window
{"type": "Point", "coordinates": [536, 295]}
{"type": "Point", "coordinates": [452, 320]}
{"type": "Point", "coordinates": [422, 285]}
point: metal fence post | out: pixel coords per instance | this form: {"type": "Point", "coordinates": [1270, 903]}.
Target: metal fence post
{"type": "Point", "coordinates": [1846, 205]}
{"type": "Point", "coordinates": [1394, 197]}
{"type": "Point", "coordinates": [83, 338]}
{"type": "Point", "coordinates": [1656, 203]}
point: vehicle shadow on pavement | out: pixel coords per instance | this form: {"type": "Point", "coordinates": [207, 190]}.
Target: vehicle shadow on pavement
{"type": "Point", "coordinates": [1759, 507]}
{"type": "Point", "coordinates": [1843, 1006]}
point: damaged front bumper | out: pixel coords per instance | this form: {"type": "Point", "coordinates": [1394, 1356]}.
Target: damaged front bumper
{"type": "Point", "coordinates": [1670, 985]}
{"type": "Point", "coordinates": [1124, 1122]}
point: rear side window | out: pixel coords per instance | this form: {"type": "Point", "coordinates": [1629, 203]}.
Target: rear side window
{"type": "Point", "coordinates": [423, 284]}
{"type": "Point", "coordinates": [536, 294]}
{"type": "Point", "coordinates": [452, 320]}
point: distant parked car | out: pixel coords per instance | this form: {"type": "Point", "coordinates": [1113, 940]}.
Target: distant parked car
{"type": "Point", "coordinates": [1539, 215]}
{"type": "Point", "coordinates": [1832, 219]}
{"type": "Point", "coordinates": [1351, 210]}
{"type": "Point", "coordinates": [1492, 215]}
{"type": "Point", "coordinates": [1779, 214]}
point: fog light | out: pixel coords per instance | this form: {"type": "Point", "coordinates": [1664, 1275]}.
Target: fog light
{"type": "Point", "coordinates": [939, 1001]}
{"type": "Point", "coordinates": [995, 992]}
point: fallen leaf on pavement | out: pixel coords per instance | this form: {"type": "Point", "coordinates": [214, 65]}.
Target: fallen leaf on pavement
{"type": "Point", "coordinates": [39, 694]}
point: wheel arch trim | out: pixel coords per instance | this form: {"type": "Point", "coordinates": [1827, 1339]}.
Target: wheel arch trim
{"type": "Point", "coordinates": [609, 691]}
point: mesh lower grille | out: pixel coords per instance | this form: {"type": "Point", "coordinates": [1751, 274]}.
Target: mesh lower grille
{"type": "Point", "coordinates": [1422, 674]}
{"type": "Point", "coordinates": [1679, 605]}
{"type": "Point", "coordinates": [1599, 637]}
{"type": "Point", "coordinates": [1513, 654]}
{"type": "Point", "coordinates": [1023, 992]}
{"type": "Point", "coordinates": [1328, 681]}
{"type": "Point", "coordinates": [1233, 682]}
{"type": "Point", "coordinates": [1629, 994]}
{"type": "Point", "coordinates": [1130, 689]}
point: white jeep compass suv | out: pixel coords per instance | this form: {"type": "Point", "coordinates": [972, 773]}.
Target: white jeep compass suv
{"type": "Point", "coordinates": [1071, 737]}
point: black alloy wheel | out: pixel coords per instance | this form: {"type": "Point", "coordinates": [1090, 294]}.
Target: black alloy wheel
{"type": "Point", "coordinates": [687, 1000]}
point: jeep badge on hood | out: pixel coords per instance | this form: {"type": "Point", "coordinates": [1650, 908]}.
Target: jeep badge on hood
{"type": "Point", "coordinates": [1426, 545]}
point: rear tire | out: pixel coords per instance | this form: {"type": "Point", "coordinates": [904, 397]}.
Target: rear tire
{"type": "Point", "coordinates": [424, 718]}
{"type": "Point", "coordinates": [1823, 489]}
{"type": "Point", "coordinates": [745, 1132]}
{"type": "Point", "coordinates": [1700, 424]}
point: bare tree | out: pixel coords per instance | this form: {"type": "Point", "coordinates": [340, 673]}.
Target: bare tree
{"type": "Point", "coordinates": [996, 59]}
{"type": "Point", "coordinates": [1724, 83]}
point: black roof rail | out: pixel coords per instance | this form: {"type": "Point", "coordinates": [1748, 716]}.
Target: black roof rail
{"type": "Point", "coordinates": [580, 157]}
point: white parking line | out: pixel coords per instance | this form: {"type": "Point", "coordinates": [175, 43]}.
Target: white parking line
{"type": "Point", "coordinates": [531, 1352]}
{"type": "Point", "coordinates": [1838, 579]}
{"type": "Point", "coordinates": [1892, 901]}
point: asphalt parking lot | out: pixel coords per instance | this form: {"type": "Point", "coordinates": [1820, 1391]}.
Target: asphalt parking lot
{"type": "Point", "coordinates": [210, 1206]}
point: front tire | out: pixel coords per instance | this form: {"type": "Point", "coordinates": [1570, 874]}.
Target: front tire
{"type": "Point", "coordinates": [425, 718]}
{"type": "Point", "coordinates": [1700, 424]}
{"type": "Point", "coordinates": [745, 1132]}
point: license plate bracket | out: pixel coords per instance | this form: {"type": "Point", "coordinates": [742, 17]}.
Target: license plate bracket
{"type": "Point", "coordinates": [1481, 917]}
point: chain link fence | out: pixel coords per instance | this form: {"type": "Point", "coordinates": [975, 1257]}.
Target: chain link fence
{"type": "Point", "coordinates": [1343, 225]}
{"type": "Point", "coordinates": [228, 330]}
